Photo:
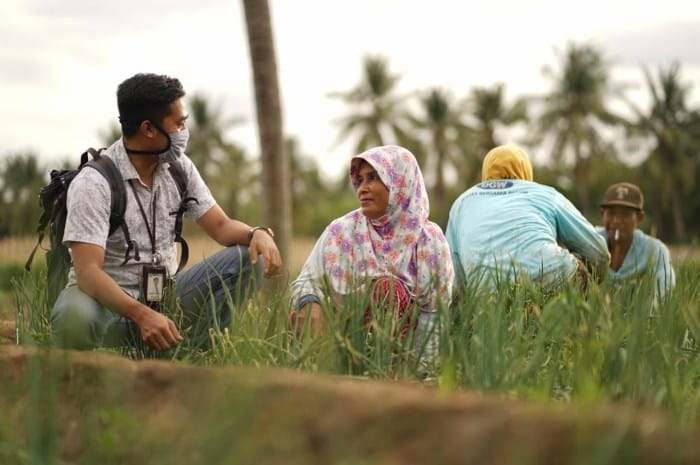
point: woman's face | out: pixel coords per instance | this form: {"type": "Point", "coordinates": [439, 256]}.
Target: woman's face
{"type": "Point", "coordinates": [371, 191]}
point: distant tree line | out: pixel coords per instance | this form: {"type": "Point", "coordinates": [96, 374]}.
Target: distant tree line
{"type": "Point", "coordinates": [572, 125]}
{"type": "Point", "coordinates": [580, 142]}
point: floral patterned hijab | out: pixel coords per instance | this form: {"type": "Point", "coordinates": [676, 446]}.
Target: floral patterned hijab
{"type": "Point", "coordinates": [402, 243]}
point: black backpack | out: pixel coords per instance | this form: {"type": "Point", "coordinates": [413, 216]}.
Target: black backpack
{"type": "Point", "coordinates": [52, 200]}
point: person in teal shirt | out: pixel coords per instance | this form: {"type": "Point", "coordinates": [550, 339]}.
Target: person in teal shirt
{"type": "Point", "coordinates": [634, 254]}
{"type": "Point", "coordinates": [509, 228]}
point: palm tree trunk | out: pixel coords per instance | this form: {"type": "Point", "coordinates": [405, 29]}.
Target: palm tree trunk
{"type": "Point", "coordinates": [581, 180]}
{"type": "Point", "coordinates": [677, 211]}
{"type": "Point", "coordinates": [276, 182]}
{"type": "Point", "coordinates": [440, 198]}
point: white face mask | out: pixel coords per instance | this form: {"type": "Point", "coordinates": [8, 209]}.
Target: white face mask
{"type": "Point", "coordinates": [178, 141]}
{"type": "Point", "coordinates": [178, 144]}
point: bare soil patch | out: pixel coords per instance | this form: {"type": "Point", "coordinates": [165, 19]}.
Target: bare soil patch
{"type": "Point", "coordinates": [7, 331]}
{"type": "Point", "coordinates": [100, 408]}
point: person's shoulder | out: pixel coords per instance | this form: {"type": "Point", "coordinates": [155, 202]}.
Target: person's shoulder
{"type": "Point", "coordinates": [90, 183]}
{"type": "Point", "coordinates": [184, 161]}
{"type": "Point", "coordinates": [432, 227]}
{"type": "Point", "coordinates": [461, 196]}
{"type": "Point", "coordinates": [650, 241]}
{"type": "Point", "coordinates": [466, 196]}
{"type": "Point", "coordinates": [545, 189]}
{"type": "Point", "coordinates": [350, 218]}
{"type": "Point", "coordinates": [558, 198]}
{"type": "Point", "coordinates": [89, 179]}
{"type": "Point", "coordinates": [530, 190]}
{"type": "Point", "coordinates": [117, 153]}
{"type": "Point", "coordinates": [432, 232]}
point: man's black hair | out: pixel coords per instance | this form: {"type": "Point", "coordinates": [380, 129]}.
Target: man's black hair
{"type": "Point", "coordinates": [146, 96]}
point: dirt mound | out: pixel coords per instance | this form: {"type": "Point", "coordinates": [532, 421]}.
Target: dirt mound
{"type": "Point", "coordinates": [99, 408]}
{"type": "Point", "coordinates": [7, 331]}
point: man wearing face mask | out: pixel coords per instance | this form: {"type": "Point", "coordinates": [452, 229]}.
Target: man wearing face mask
{"type": "Point", "coordinates": [107, 299]}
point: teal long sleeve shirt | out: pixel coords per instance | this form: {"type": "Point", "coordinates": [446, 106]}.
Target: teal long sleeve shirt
{"type": "Point", "coordinates": [646, 255]}
{"type": "Point", "coordinates": [503, 229]}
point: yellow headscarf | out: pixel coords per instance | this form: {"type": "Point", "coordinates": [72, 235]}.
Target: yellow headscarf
{"type": "Point", "coordinates": [506, 162]}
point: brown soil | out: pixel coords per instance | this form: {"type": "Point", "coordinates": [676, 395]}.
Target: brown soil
{"type": "Point", "coordinates": [101, 408]}
{"type": "Point", "coordinates": [7, 331]}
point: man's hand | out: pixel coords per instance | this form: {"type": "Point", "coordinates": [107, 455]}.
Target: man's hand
{"type": "Point", "coordinates": [583, 274]}
{"type": "Point", "coordinates": [157, 330]}
{"type": "Point", "coordinates": [263, 244]}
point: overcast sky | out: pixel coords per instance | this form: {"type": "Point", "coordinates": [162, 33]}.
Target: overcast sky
{"type": "Point", "coordinates": [61, 60]}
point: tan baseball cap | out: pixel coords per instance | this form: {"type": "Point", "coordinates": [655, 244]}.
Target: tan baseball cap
{"type": "Point", "coordinates": [625, 194]}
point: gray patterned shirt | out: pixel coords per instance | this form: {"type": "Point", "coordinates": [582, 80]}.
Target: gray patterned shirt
{"type": "Point", "coordinates": [88, 206]}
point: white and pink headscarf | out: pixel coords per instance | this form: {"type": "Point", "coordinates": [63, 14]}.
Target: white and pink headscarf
{"type": "Point", "coordinates": [402, 244]}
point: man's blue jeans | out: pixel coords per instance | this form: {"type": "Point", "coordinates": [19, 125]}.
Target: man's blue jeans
{"type": "Point", "coordinates": [206, 291]}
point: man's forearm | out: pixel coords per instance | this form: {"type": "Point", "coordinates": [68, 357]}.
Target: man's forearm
{"type": "Point", "coordinates": [222, 229]}
{"type": "Point", "coordinates": [99, 285]}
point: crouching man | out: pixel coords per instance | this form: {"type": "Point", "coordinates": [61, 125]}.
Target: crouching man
{"type": "Point", "coordinates": [116, 283]}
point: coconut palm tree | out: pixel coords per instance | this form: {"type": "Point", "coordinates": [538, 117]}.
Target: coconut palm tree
{"type": "Point", "coordinates": [21, 178]}
{"type": "Point", "coordinates": [487, 106]}
{"type": "Point", "coordinates": [208, 127]}
{"type": "Point", "coordinates": [675, 130]}
{"type": "Point", "coordinates": [488, 112]}
{"type": "Point", "coordinates": [377, 113]}
{"type": "Point", "coordinates": [316, 198]}
{"type": "Point", "coordinates": [276, 182]}
{"type": "Point", "coordinates": [224, 164]}
{"type": "Point", "coordinates": [440, 122]}
{"type": "Point", "coordinates": [575, 111]}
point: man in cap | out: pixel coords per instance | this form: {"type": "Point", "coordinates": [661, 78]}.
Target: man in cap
{"type": "Point", "coordinates": [633, 253]}
{"type": "Point", "coordinates": [509, 228]}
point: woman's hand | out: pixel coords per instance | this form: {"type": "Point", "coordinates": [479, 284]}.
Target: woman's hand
{"type": "Point", "coordinates": [311, 315]}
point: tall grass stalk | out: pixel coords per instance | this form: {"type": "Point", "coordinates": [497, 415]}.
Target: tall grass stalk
{"type": "Point", "coordinates": [31, 308]}
{"type": "Point", "coordinates": [609, 344]}
{"type": "Point", "coordinates": [613, 343]}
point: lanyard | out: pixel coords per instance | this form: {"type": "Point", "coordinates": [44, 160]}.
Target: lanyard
{"type": "Point", "coordinates": [155, 256]}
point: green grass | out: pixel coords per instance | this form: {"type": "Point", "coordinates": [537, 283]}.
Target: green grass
{"type": "Point", "coordinates": [612, 345]}
{"type": "Point", "coordinates": [609, 345]}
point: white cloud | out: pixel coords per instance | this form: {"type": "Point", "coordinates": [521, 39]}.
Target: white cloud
{"type": "Point", "coordinates": [66, 59]}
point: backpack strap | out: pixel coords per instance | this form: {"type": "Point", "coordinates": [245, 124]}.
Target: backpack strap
{"type": "Point", "coordinates": [44, 219]}
{"type": "Point", "coordinates": [43, 222]}
{"type": "Point", "coordinates": [110, 171]}
{"type": "Point", "coordinates": [180, 179]}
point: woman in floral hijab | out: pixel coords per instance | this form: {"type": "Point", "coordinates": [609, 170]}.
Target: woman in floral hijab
{"type": "Point", "coordinates": [386, 249]}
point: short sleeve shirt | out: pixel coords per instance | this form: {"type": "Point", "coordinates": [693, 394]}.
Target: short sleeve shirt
{"type": "Point", "coordinates": [88, 205]}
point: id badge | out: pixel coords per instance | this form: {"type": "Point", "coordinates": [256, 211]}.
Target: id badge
{"type": "Point", "coordinates": [153, 284]}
